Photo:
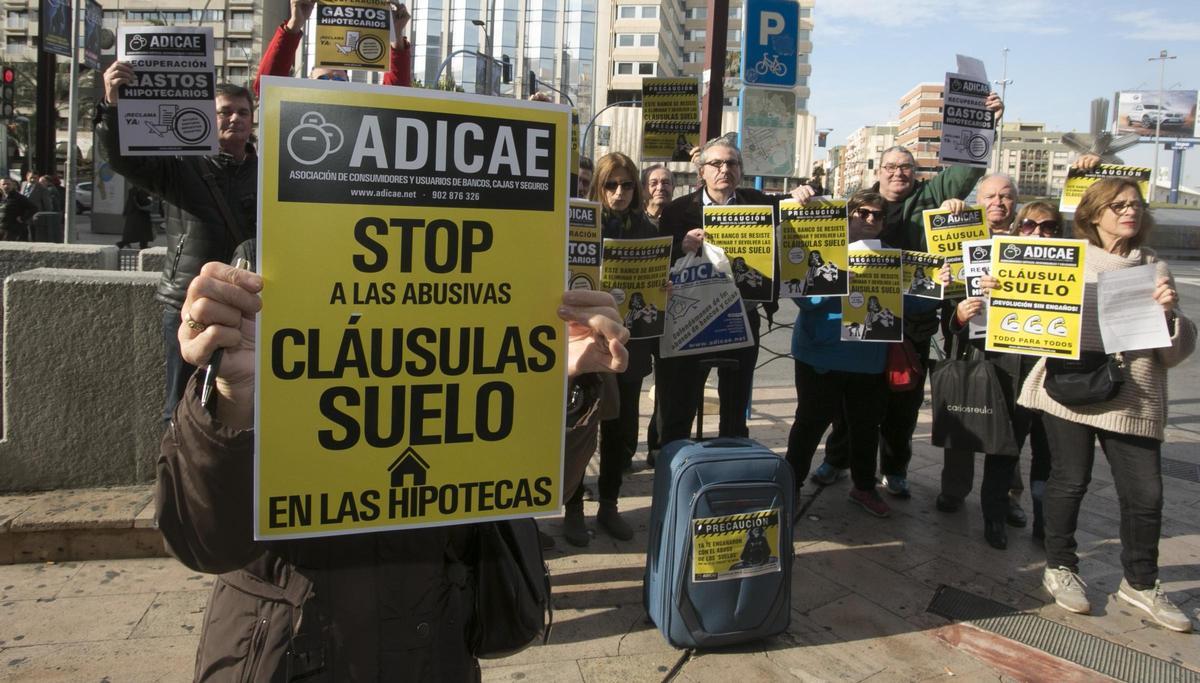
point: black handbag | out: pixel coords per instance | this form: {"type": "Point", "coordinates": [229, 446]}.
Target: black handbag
{"type": "Point", "coordinates": [1095, 378]}
{"type": "Point", "coordinates": [970, 411]}
{"type": "Point", "coordinates": [512, 593]}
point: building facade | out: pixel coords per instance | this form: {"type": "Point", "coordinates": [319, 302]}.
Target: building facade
{"type": "Point", "coordinates": [860, 158]}
{"type": "Point", "coordinates": [920, 126]}
{"type": "Point", "coordinates": [637, 39]}
{"type": "Point", "coordinates": [1036, 159]}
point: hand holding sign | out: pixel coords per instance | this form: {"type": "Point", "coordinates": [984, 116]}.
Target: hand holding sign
{"type": "Point", "coordinates": [596, 332]}
{"type": "Point", "coordinates": [115, 76]}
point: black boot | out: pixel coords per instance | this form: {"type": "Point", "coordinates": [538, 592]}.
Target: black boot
{"type": "Point", "coordinates": [995, 533]}
{"type": "Point", "coordinates": [574, 527]}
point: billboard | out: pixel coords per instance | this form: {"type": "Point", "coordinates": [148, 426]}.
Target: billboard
{"type": "Point", "coordinates": [1140, 111]}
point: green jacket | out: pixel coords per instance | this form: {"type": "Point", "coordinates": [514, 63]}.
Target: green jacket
{"type": "Point", "coordinates": [955, 182]}
{"type": "Point", "coordinates": [908, 231]}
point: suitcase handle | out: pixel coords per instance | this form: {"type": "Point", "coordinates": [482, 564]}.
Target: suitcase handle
{"type": "Point", "coordinates": [727, 442]}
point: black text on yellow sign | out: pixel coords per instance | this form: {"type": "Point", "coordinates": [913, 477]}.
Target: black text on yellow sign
{"type": "Point", "coordinates": [747, 234]}
{"type": "Point", "coordinates": [1037, 305]}
{"type": "Point", "coordinates": [353, 34]}
{"type": "Point", "coordinates": [636, 273]}
{"type": "Point", "coordinates": [944, 234]}
{"type": "Point", "coordinates": [874, 310]}
{"type": "Point", "coordinates": [735, 546]}
{"type": "Point", "coordinates": [1078, 181]}
{"type": "Point", "coordinates": [813, 240]}
{"type": "Point", "coordinates": [407, 366]}
{"type": "Point", "coordinates": [670, 118]}
{"type": "Point", "coordinates": [583, 249]}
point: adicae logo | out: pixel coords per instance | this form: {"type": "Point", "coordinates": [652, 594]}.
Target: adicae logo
{"type": "Point", "coordinates": [314, 140]}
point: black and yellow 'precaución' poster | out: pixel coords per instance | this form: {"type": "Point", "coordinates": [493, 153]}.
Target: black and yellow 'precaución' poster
{"type": "Point", "coordinates": [747, 234]}
{"type": "Point", "coordinates": [636, 272]}
{"type": "Point", "coordinates": [874, 311]}
{"type": "Point", "coordinates": [813, 239]}
{"type": "Point", "coordinates": [411, 366]}
{"type": "Point", "coordinates": [670, 118]}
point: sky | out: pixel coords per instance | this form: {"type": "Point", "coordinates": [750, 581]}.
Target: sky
{"type": "Point", "coordinates": [1062, 54]}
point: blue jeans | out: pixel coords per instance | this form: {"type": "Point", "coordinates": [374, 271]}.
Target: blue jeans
{"type": "Point", "coordinates": [178, 371]}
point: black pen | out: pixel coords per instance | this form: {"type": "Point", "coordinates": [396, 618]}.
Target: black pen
{"type": "Point", "coordinates": [214, 362]}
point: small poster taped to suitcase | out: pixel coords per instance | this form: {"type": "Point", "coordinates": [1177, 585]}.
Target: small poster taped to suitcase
{"type": "Point", "coordinates": [735, 546]}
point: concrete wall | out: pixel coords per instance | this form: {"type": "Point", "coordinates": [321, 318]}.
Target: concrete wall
{"type": "Point", "coordinates": [152, 260]}
{"type": "Point", "coordinates": [83, 380]}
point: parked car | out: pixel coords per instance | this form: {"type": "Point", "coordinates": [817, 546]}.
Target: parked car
{"type": "Point", "coordinates": [83, 197]}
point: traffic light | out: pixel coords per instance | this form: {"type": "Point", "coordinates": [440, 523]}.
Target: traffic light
{"type": "Point", "coordinates": [8, 92]}
{"type": "Point", "coordinates": [531, 83]}
{"type": "Point", "coordinates": [505, 69]}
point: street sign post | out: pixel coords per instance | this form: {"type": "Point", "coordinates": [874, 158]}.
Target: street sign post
{"type": "Point", "coordinates": [770, 47]}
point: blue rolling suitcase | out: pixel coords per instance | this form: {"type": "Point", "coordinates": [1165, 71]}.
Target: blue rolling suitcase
{"type": "Point", "coordinates": [719, 561]}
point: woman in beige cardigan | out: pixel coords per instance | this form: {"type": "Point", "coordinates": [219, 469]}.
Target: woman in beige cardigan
{"type": "Point", "coordinates": [1115, 220]}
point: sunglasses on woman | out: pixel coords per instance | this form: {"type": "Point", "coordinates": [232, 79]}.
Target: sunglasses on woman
{"type": "Point", "coordinates": [1046, 227]}
{"type": "Point", "coordinates": [612, 185]}
{"type": "Point", "coordinates": [868, 214]}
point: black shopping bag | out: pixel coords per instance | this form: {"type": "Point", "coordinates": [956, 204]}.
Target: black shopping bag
{"type": "Point", "coordinates": [969, 409]}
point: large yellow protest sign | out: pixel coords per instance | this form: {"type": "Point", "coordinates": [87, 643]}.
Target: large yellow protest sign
{"type": "Point", "coordinates": [813, 240]}
{"type": "Point", "coordinates": [1078, 181]}
{"type": "Point", "coordinates": [874, 310]}
{"type": "Point", "coordinates": [944, 234]}
{"type": "Point", "coordinates": [411, 366]}
{"type": "Point", "coordinates": [670, 118]}
{"type": "Point", "coordinates": [583, 251]}
{"type": "Point", "coordinates": [1037, 305]}
{"type": "Point", "coordinates": [353, 34]}
{"type": "Point", "coordinates": [636, 273]}
{"type": "Point", "coordinates": [747, 234]}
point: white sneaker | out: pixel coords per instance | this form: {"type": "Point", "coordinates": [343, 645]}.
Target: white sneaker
{"type": "Point", "coordinates": [1067, 589]}
{"type": "Point", "coordinates": [1156, 603]}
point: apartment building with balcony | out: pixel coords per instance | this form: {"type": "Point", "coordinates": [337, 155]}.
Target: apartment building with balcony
{"type": "Point", "coordinates": [859, 160]}
{"type": "Point", "coordinates": [920, 126]}
{"type": "Point", "coordinates": [1035, 158]}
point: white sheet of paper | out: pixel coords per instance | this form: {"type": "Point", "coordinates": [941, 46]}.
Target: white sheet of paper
{"type": "Point", "coordinates": [971, 66]}
{"type": "Point", "coordinates": [1130, 319]}
{"type": "Point", "coordinates": [977, 260]}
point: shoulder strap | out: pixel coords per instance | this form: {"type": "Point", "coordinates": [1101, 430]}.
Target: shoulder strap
{"type": "Point", "coordinates": [232, 227]}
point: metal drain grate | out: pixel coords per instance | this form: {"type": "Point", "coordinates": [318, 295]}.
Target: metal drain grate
{"type": "Point", "coordinates": [1113, 660]}
{"type": "Point", "coordinates": [1179, 469]}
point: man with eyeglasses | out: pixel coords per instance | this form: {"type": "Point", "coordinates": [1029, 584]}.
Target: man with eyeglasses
{"type": "Point", "coordinates": [279, 56]}
{"type": "Point", "coordinates": [904, 228]}
{"type": "Point", "coordinates": [211, 203]}
{"type": "Point", "coordinates": [679, 380]}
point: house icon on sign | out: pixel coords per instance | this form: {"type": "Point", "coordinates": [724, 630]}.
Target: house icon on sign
{"type": "Point", "coordinates": [409, 463]}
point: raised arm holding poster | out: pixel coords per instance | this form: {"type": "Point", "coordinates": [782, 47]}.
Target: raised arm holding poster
{"type": "Point", "coordinates": [635, 272]}
{"type": "Point", "coordinates": [874, 310]}
{"type": "Point", "coordinates": [1037, 305]}
{"type": "Point", "coordinates": [1079, 180]}
{"type": "Point", "coordinates": [670, 118]}
{"type": "Point", "coordinates": [583, 251]}
{"type": "Point", "coordinates": [353, 34]}
{"type": "Point", "coordinates": [813, 239]}
{"type": "Point", "coordinates": [747, 234]}
{"type": "Point", "coordinates": [169, 110]}
{"type": "Point", "coordinates": [968, 127]}
{"type": "Point", "coordinates": [411, 371]}
{"type": "Point", "coordinates": [944, 234]}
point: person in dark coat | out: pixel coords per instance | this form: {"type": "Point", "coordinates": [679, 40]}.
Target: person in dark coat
{"type": "Point", "coordinates": [387, 606]}
{"type": "Point", "coordinates": [138, 227]}
{"type": "Point", "coordinates": [15, 211]}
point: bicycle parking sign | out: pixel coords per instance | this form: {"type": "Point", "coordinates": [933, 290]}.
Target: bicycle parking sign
{"type": "Point", "coordinates": [769, 51]}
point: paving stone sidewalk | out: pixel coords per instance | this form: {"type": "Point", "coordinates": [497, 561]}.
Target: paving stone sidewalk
{"type": "Point", "coordinates": [861, 589]}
